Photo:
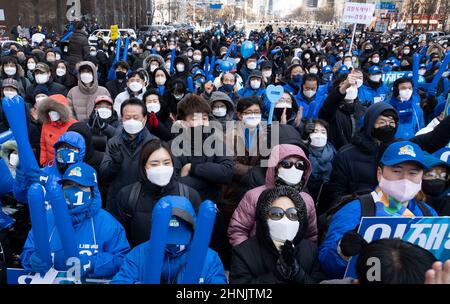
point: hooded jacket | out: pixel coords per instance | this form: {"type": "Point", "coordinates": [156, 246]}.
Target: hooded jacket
{"type": "Point", "coordinates": [247, 90]}
{"type": "Point", "coordinates": [372, 92]}
{"type": "Point", "coordinates": [68, 80]}
{"type": "Point", "coordinates": [82, 97]}
{"type": "Point", "coordinates": [52, 130]}
{"type": "Point", "coordinates": [407, 128]}
{"type": "Point", "coordinates": [22, 82]}
{"type": "Point", "coordinates": [181, 75]}
{"type": "Point", "coordinates": [134, 266]}
{"type": "Point", "coordinates": [311, 107]}
{"type": "Point", "coordinates": [223, 97]}
{"type": "Point", "coordinates": [98, 234]}
{"type": "Point", "coordinates": [243, 222]}
{"type": "Point", "coordinates": [254, 260]}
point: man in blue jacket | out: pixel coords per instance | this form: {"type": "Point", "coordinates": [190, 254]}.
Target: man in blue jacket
{"type": "Point", "coordinates": [176, 252]}
{"type": "Point", "coordinates": [310, 97]}
{"type": "Point", "coordinates": [101, 238]}
{"type": "Point", "coordinates": [373, 90]}
{"type": "Point", "coordinates": [399, 175]}
{"type": "Point", "coordinates": [254, 86]}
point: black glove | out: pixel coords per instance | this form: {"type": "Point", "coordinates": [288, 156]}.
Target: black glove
{"type": "Point", "coordinates": [116, 153]}
{"type": "Point", "coordinates": [287, 267]}
{"type": "Point", "coordinates": [352, 244]}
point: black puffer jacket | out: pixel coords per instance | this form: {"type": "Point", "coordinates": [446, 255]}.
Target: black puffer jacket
{"type": "Point", "coordinates": [78, 48]}
{"type": "Point", "coordinates": [254, 261]}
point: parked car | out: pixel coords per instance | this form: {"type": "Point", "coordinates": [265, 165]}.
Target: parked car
{"type": "Point", "coordinates": [148, 30]}
{"type": "Point", "coordinates": [106, 33]}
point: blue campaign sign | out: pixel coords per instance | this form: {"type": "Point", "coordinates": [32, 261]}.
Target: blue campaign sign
{"type": "Point", "coordinates": [215, 6]}
{"type": "Point", "coordinates": [16, 276]}
{"type": "Point", "coordinates": [431, 233]}
{"type": "Point", "coordinates": [386, 6]}
{"type": "Point", "coordinates": [391, 77]}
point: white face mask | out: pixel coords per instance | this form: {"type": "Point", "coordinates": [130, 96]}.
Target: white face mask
{"type": "Point", "coordinates": [54, 116]}
{"type": "Point", "coordinates": [423, 71]}
{"type": "Point", "coordinates": [313, 71]}
{"type": "Point", "coordinates": [38, 101]}
{"type": "Point", "coordinates": [359, 83]}
{"type": "Point", "coordinates": [291, 176]}
{"type": "Point", "coordinates": [60, 72]}
{"type": "Point", "coordinates": [41, 78]}
{"type": "Point", "coordinates": [267, 73]}
{"type": "Point", "coordinates": [309, 93]}
{"type": "Point", "coordinates": [135, 86]}
{"type": "Point", "coordinates": [160, 175]}
{"type": "Point", "coordinates": [351, 93]}
{"type": "Point", "coordinates": [190, 54]}
{"type": "Point", "coordinates": [376, 60]}
{"type": "Point", "coordinates": [405, 95]}
{"type": "Point", "coordinates": [406, 52]}
{"type": "Point", "coordinates": [220, 111]}
{"type": "Point", "coordinates": [10, 94]}
{"type": "Point", "coordinates": [283, 229]}
{"type": "Point", "coordinates": [283, 105]}
{"type": "Point", "coordinates": [104, 113]}
{"type": "Point", "coordinates": [375, 78]}
{"type": "Point", "coordinates": [307, 56]}
{"type": "Point", "coordinates": [160, 80]}
{"type": "Point", "coordinates": [180, 68]}
{"type": "Point", "coordinates": [133, 126]}
{"type": "Point", "coordinates": [255, 84]}
{"type": "Point", "coordinates": [93, 53]}
{"type": "Point", "coordinates": [348, 64]}
{"type": "Point", "coordinates": [153, 67]}
{"type": "Point", "coordinates": [251, 65]}
{"type": "Point", "coordinates": [153, 107]}
{"type": "Point", "coordinates": [10, 71]}
{"type": "Point", "coordinates": [401, 190]}
{"type": "Point", "coordinates": [14, 160]}
{"type": "Point", "coordinates": [86, 78]}
{"type": "Point", "coordinates": [251, 120]}
{"type": "Point", "coordinates": [197, 57]}
{"type": "Point", "coordinates": [318, 140]}
{"type": "Point", "coordinates": [31, 66]}
{"type": "Point", "coordinates": [58, 57]}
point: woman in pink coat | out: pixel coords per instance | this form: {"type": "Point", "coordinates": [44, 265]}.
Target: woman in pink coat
{"type": "Point", "coordinates": [287, 165]}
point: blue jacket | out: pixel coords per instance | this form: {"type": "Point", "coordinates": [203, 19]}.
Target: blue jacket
{"type": "Point", "coordinates": [311, 109]}
{"type": "Point", "coordinates": [293, 88]}
{"type": "Point", "coordinates": [368, 95]}
{"type": "Point", "coordinates": [247, 92]}
{"type": "Point", "coordinates": [100, 235]}
{"type": "Point", "coordinates": [344, 220]}
{"type": "Point", "coordinates": [20, 189]}
{"type": "Point", "coordinates": [407, 128]}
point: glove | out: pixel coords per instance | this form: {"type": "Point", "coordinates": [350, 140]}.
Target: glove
{"type": "Point", "coordinates": [352, 244]}
{"type": "Point", "coordinates": [116, 153]}
{"type": "Point", "coordinates": [153, 120]}
{"type": "Point", "coordinates": [309, 128]}
{"type": "Point", "coordinates": [98, 123]}
{"type": "Point", "coordinates": [287, 266]}
{"type": "Point", "coordinates": [87, 263]}
{"type": "Point", "coordinates": [37, 176]}
{"type": "Point", "coordinates": [37, 265]}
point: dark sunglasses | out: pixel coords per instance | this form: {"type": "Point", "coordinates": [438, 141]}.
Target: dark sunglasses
{"type": "Point", "coordinates": [287, 164]}
{"type": "Point", "coordinates": [277, 213]}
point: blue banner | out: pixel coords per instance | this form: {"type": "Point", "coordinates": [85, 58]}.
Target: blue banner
{"type": "Point", "coordinates": [215, 6]}
{"type": "Point", "coordinates": [16, 276]}
{"type": "Point", "coordinates": [430, 233]}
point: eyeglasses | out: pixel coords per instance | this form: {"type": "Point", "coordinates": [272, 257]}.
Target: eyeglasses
{"type": "Point", "coordinates": [277, 213]}
{"type": "Point", "coordinates": [434, 175]}
{"type": "Point", "coordinates": [287, 164]}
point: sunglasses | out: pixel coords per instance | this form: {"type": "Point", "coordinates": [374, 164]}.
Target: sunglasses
{"type": "Point", "coordinates": [277, 213]}
{"type": "Point", "coordinates": [287, 164]}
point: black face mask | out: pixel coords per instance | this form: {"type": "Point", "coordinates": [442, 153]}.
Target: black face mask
{"type": "Point", "coordinates": [121, 75]}
{"type": "Point", "coordinates": [279, 111]}
{"type": "Point", "coordinates": [384, 134]}
{"type": "Point", "coordinates": [434, 187]}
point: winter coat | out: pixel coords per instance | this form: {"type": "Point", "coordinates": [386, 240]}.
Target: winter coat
{"type": "Point", "coordinates": [408, 126]}
{"type": "Point", "coordinates": [115, 87]}
{"type": "Point", "coordinates": [68, 80]}
{"type": "Point", "coordinates": [311, 107]}
{"type": "Point", "coordinates": [372, 92]}
{"type": "Point", "coordinates": [134, 265]}
{"type": "Point", "coordinates": [52, 131]}
{"type": "Point", "coordinates": [82, 97]}
{"type": "Point", "coordinates": [243, 224]}
{"type": "Point", "coordinates": [124, 96]}
{"type": "Point", "coordinates": [53, 88]}
{"type": "Point", "coordinates": [22, 82]}
{"type": "Point", "coordinates": [78, 48]}
{"type": "Point", "coordinates": [247, 90]}
{"type": "Point", "coordinates": [100, 137]}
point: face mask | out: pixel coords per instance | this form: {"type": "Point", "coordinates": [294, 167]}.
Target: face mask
{"type": "Point", "coordinates": [189, 44]}
{"type": "Point", "coordinates": [375, 78]}
{"type": "Point", "coordinates": [167, 65]}
{"type": "Point", "coordinates": [384, 134]}
{"type": "Point", "coordinates": [251, 120]}
{"type": "Point", "coordinates": [318, 140]}
{"type": "Point", "coordinates": [251, 65]}
{"type": "Point", "coordinates": [133, 126]}
{"type": "Point", "coordinates": [60, 72]}
{"type": "Point", "coordinates": [153, 39]}
{"type": "Point", "coordinates": [66, 156]}
{"type": "Point", "coordinates": [283, 229]}
{"type": "Point", "coordinates": [405, 95]}
{"type": "Point", "coordinates": [93, 53]}
{"type": "Point", "coordinates": [104, 113]}
{"type": "Point", "coordinates": [54, 116]}
{"type": "Point", "coordinates": [376, 59]}
{"type": "Point", "coordinates": [135, 86]}
{"type": "Point", "coordinates": [38, 101]}
{"type": "Point", "coordinates": [228, 87]}
{"type": "Point", "coordinates": [267, 74]}
{"type": "Point", "coordinates": [58, 57]}
{"type": "Point", "coordinates": [76, 197]}
{"type": "Point", "coordinates": [348, 64]}
{"type": "Point", "coordinates": [307, 56]}
{"type": "Point", "coordinates": [31, 66]}
{"type": "Point", "coordinates": [10, 71]}
{"type": "Point", "coordinates": [434, 187]}
{"type": "Point", "coordinates": [120, 75]}
{"type": "Point", "coordinates": [24, 43]}
{"type": "Point", "coordinates": [220, 112]}
{"type": "Point", "coordinates": [180, 68]}
{"type": "Point", "coordinates": [255, 84]}
{"type": "Point", "coordinates": [51, 59]}
{"type": "Point", "coordinates": [297, 78]}
{"type": "Point", "coordinates": [401, 190]}
{"type": "Point", "coordinates": [157, 49]}
{"type": "Point", "coordinates": [351, 93]}
{"type": "Point", "coordinates": [86, 78]}
{"type": "Point", "coordinates": [190, 54]}
{"type": "Point", "coordinates": [10, 94]}
{"type": "Point", "coordinates": [153, 67]}
{"type": "Point", "coordinates": [178, 97]}
{"type": "Point", "coordinates": [153, 107]}
{"type": "Point", "coordinates": [313, 71]}
{"type": "Point", "coordinates": [134, 50]}
{"type": "Point", "coordinates": [283, 105]}
{"type": "Point", "coordinates": [309, 93]}
{"type": "Point", "coordinates": [14, 160]}
{"type": "Point", "coordinates": [197, 57]}
{"type": "Point", "coordinates": [422, 72]}
{"type": "Point", "coordinates": [291, 176]}
{"type": "Point", "coordinates": [359, 83]}
{"type": "Point", "coordinates": [160, 80]}
{"type": "Point", "coordinates": [406, 52]}
{"type": "Point", "coordinates": [160, 175]}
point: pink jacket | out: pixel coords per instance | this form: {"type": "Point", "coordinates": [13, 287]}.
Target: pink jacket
{"type": "Point", "coordinates": [243, 222]}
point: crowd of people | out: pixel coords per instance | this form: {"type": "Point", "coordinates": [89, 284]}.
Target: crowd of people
{"type": "Point", "coordinates": [343, 144]}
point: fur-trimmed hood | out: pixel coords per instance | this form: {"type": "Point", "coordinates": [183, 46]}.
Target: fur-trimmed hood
{"type": "Point", "coordinates": [150, 58]}
{"type": "Point", "coordinates": [57, 103]}
{"type": "Point", "coordinates": [6, 149]}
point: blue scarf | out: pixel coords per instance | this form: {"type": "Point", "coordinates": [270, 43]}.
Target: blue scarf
{"type": "Point", "coordinates": [85, 211]}
{"type": "Point", "coordinates": [404, 109]}
{"type": "Point", "coordinates": [321, 162]}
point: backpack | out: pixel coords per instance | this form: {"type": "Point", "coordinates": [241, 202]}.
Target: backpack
{"type": "Point", "coordinates": [367, 206]}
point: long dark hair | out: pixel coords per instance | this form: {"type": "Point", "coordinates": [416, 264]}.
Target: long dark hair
{"type": "Point", "coordinates": [147, 150]}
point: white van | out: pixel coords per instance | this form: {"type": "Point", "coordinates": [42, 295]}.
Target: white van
{"type": "Point", "coordinates": [105, 35]}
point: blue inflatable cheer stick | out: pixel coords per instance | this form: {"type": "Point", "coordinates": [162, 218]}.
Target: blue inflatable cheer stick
{"type": "Point", "coordinates": [125, 49]}
{"type": "Point", "coordinates": [55, 197]}
{"type": "Point", "coordinates": [172, 62]}
{"type": "Point", "coordinates": [190, 84]}
{"type": "Point", "coordinates": [158, 239]}
{"type": "Point", "coordinates": [38, 215]}
{"type": "Point", "coordinates": [207, 65]}
{"type": "Point", "coordinates": [433, 86]}
{"type": "Point", "coordinates": [15, 113]}
{"type": "Point", "coordinates": [200, 243]}
{"type": "Point", "coordinates": [416, 59]}
{"type": "Point", "coordinates": [112, 70]}
{"type": "Point", "coordinates": [229, 50]}
{"type": "Point", "coordinates": [67, 36]}
{"type": "Point", "coordinates": [213, 65]}
{"type": "Point", "coordinates": [6, 179]}
{"type": "Point", "coordinates": [5, 136]}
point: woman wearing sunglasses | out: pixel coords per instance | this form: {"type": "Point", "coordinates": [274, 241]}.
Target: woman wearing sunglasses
{"type": "Point", "coordinates": [278, 253]}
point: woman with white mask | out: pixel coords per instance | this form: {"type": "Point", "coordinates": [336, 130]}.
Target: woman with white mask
{"type": "Point", "coordinates": [279, 253]}
{"type": "Point", "coordinates": [136, 87]}
{"type": "Point", "coordinates": [159, 122]}
{"type": "Point", "coordinates": [136, 201]}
